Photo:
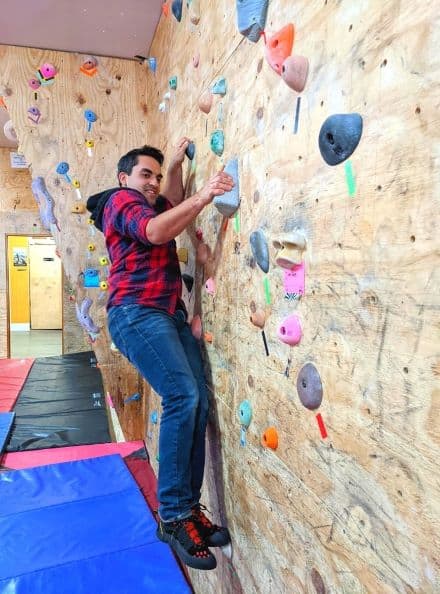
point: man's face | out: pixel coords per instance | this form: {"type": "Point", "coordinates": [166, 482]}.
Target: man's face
{"type": "Point", "coordinates": [145, 177]}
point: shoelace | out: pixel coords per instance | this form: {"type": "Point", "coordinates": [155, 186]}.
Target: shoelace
{"type": "Point", "coordinates": [199, 509]}
{"type": "Point", "coordinates": [192, 532]}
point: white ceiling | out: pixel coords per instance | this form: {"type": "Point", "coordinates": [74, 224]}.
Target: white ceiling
{"type": "Point", "coordinates": [117, 28]}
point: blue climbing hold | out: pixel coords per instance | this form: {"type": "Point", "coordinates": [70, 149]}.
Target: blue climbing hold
{"type": "Point", "coordinates": [218, 142]}
{"type": "Point", "coordinates": [245, 413]}
{"type": "Point", "coordinates": [229, 202]}
{"type": "Point", "coordinates": [251, 18]}
{"type": "Point", "coordinates": [190, 151]}
{"type": "Point", "coordinates": [176, 8]}
{"type": "Point", "coordinates": [134, 398]}
{"type": "Point", "coordinates": [62, 168]}
{"type": "Point", "coordinates": [91, 278]}
{"type": "Point", "coordinates": [90, 115]}
{"type": "Point", "coordinates": [154, 417]}
{"type": "Point", "coordinates": [219, 87]}
{"type": "Point", "coordinates": [260, 249]}
{"type": "Point", "coordinates": [339, 136]}
{"type": "Point", "coordinates": [152, 64]}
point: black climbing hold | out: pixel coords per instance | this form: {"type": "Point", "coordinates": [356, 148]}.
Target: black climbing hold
{"type": "Point", "coordinates": [260, 249]}
{"type": "Point", "coordinates": [229, 202]}
{"type": "Point", "coordinates": [309, 386]}
{"type": "Point", "coordinates": [176, 8]}
{"type": "Point", "coordinates": [189, 281]}
{"type": "Point", "coordinates": [339, 136]}
{"type": "Point", "coordinates": [190, 151]}
{"type": "Point", "coordinates": [251, 18]}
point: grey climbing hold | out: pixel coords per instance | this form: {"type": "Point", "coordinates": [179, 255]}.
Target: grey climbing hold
{"type": "Point", "coordinates": [219, 87]}
{"type": "Point", "coordinates": [189, 281]}
{"type": "Point", "coordinates": [176, 8]}
{"type": "Point", "coordinates": [251, 18]}
{"type": "Point", "coordinates": [229, 202]}
{"type": "Point", "coordinates": [190, 151]}
{"type": "Point", "coordinates": [309, 386]}
{"type": "Point", "coordinates": [260, 249]}
{"type": "Point", "coordinates": [45, 203]}
{"type": "Point", "coordinates": [218, 142]}
{"type": "Point", "coordinates": [339, 136]}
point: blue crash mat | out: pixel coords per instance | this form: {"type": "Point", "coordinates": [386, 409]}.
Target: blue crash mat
{"type": "Point", "coordinates": [81, 527]}
{"type": "Point", "coordinates": [6, 420]}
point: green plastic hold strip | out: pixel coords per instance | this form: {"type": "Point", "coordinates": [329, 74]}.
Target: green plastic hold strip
{"type": "Point", "coordinates": [237, 222]}
{"type": "Point", "coordinates": [349, 175]}
{"type": "Point", "coordinates": [266, 290]}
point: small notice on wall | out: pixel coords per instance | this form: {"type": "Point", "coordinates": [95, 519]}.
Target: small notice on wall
{"type": "Point", "coordinates": [18, 161]}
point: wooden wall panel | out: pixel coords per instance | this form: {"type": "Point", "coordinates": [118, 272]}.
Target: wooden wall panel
{"type": "Point", "coordinates": [356, 513]}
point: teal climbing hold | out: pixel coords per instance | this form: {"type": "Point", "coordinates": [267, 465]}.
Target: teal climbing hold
{"type": "Point", "coordinates": [219, 87]}
{"type": "Point", "coordinates": [228, 203]}
{"type": "Point", "coordinates": [176, 8]}
{"type": "Point", "coordinates": [245, 413]}
{"type": "Point", "coordinates": [251, 18]}
{"type": "Point", "coordinates": [173, 83]}
{"type": "Point", "coordinates": [260, 249]}
{"type": "Point", "coordinates": [218, 142]}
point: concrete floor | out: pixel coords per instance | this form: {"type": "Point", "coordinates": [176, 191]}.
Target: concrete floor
{"type": "Point", "coordinates": [36, 343]}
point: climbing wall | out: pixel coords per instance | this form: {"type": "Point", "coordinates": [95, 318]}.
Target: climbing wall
{"type": "Point", "coordinates": [69, 111]}
{"type": "Point", "coordinates": [348, 501]}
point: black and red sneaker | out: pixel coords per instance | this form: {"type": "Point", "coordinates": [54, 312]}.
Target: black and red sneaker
{"type": "Point", "coordinates": [213, 535]}
{"type": "Point", "coordinates": [185, 538]}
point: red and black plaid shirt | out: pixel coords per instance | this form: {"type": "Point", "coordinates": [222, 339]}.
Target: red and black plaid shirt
{"type": "Point", "coordinates": [141, 272]}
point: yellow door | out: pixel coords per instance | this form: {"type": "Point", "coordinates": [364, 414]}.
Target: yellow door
{"type": "Point", "coordinates": [18, 265]}
{"type": "Point", "coordinates": [45, 285]}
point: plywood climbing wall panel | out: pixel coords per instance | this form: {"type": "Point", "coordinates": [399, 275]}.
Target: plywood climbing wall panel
{"type": "Point", "coordinates": [356, 512]}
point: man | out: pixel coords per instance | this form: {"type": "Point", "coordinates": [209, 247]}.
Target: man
{"type": "Point", "coordinates": [147, 322]}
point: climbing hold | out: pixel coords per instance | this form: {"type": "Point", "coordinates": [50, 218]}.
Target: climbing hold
{"type": "Point", "coordinates": [34, 114]}
{"type": "Point", "coordinates": [196, 60]}
{"type": "Point", "coordinates": [339, 136]}
{"type": "Point", "coordinates": [103, 260]}
{"type": "Point", "coordinates": [176, 9]}
{"type": "Point", "coordinates": [90, 117]}
{"type": "Point", "coordinates": [182, 255]}
{"type": "Point", "coordinates": [208, 337]}
{"type": "Point", "coordinates": [9, 131]}
{"type": "Point", "coordinates": [91, 278]}
{"type": "Point", "coordinates": [260, 249]}
{"type": "Point", "coordinates": [152, 64]}
{"type": "Point", "coordinates": [245, 413]}
{"type": "Point", "coordinates": [190, 151]}
{"type": "Point", "coordinates": [309, 386]}
{"type": "Point", "coordinates": [62, 169]}
{"type": "Point", "coordinates": [290, 331]}
{"type": "Point", "coordinates": [205, 101]}
{"type": "Point", "coordinates": [45, 203]}
{"type": "Point", "coordinates": [218, 142]}
{"type": "Point", "coordinates": [258, 318]}
{"type": "Point", "coordinates": [251, 18]}
{"type": "Point", "coordinates": [290, 248]}
{"type": "Point", "coordinates": [279, 47]}
{"type": "Point", "coordinates": [165, 8]}
{"type": "Point", "coordinates": [133, 398]}
{"type": "Point", "coordinates": [196, 327]}
{"type": "Point", "coordinates": [317, 581]}
{"type": "Point", "coordinates": [83, 316]}
{"type": "Point", "coordinates": [172, 82]}
{"type": "Point", "coordinates": [91, 247]}
{"type": "Point", "coordinates": [162, 107]}
{"type": "Point", "coordinates": [229, 202]}
{"type": "Point", "coordinates": [154, 417]}
{"type": "Point", "coordinates": [46, 74]}
{"type": "Point", "coordinates": [78, 208]}
{"type": "Point", "coordinates": [203, 253]}
{"type": "Point", "coordinates": [34, 84]}
{"type": "Point", "coordinates": [189, 282]}
{"type": "Point", "coordinates": [199, 233]}
{"type": "Point", "coordinates": [210, 286]}
{"type": "Point", "coordinates": [90, 144]}
{"type": "Point", "coordinates": [89, 66]}
{"type": "Point", "coordinates": [194, 12]}
{"type": "Point", "coordinates": [219, 87]}
{"type": "Point", "coordinates": [294, 72]}
{"type": "Point", "coordinates": [270, 438]}
{"type": "Point", "coordinates": [103, 285]}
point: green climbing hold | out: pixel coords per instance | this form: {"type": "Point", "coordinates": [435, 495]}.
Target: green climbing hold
{"type": "Point", "coordinates": [173, 83]}
{"type": "Point", "coordinates": [218, 142]}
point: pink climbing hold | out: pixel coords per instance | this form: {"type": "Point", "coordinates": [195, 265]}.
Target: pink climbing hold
{"type": "Point", "coordinates": [290, 331]}
{"type": "Point", "coordinates": [196, 327]}
{"type": "Point", "coordinates": [210, 286]}
{"type": "Point", "coordinates": [294, 72]}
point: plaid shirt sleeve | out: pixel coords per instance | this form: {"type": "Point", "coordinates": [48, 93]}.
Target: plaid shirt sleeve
{"type": "Point", "coordinates": [129, 214]}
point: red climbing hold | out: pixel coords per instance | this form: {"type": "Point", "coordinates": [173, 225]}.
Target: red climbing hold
{"type": "Point", "coordinates": [279, 47]}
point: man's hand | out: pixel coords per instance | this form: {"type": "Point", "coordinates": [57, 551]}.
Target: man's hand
{"type": "Point", "coordinates": [219, 183]}
{"type": "Point", "coordinates": [179, 153]}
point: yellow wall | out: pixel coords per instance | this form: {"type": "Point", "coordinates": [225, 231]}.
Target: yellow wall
{"type": "Point", "coordinates": [18, 282]}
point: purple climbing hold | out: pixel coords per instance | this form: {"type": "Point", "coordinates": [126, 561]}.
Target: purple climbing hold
{"type": "Point", "coordinates": [45, 203]}
{"type": "Point", "coordinates": [176, 8]}
{"type": "Point", "coordinates": [83, 316]}
{"type": "Point", "coordinates": [309, 386]}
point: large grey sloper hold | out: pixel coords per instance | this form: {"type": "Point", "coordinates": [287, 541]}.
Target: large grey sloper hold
{"type": "Point", "coordinates": [309, 386]}
{"type": "Point", "coordinates": [339, 136]}
{"type": "Point", "coordinates": [229, 202]}
{"type": "Point", "coordinates": [260, 249]}
{"type": "Point", "coordinates": [251, 18]}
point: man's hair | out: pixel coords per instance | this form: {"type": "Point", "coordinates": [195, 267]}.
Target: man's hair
{"type": "Point", "coordinates": [128, 161]}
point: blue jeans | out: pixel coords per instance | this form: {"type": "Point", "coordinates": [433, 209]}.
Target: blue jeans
{"type": "Point", "coordinates": [164, 351]}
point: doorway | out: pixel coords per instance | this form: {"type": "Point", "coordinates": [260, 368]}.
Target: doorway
{"type": "Point", "coordinates": [34, 289]}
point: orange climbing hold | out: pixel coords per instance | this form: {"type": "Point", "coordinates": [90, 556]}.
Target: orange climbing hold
{"type": "Point", "coordinates": [166, 9]}
{"type": "Point", "coordinates": [279, 47]}
{"type": "Point", "coordinates": [270, 438]}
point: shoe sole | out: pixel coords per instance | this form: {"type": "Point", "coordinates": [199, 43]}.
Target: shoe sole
{"type": "Point", "coordinates": [225, 539]}
{"type": "Point", "coordinates": [194, 562]}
